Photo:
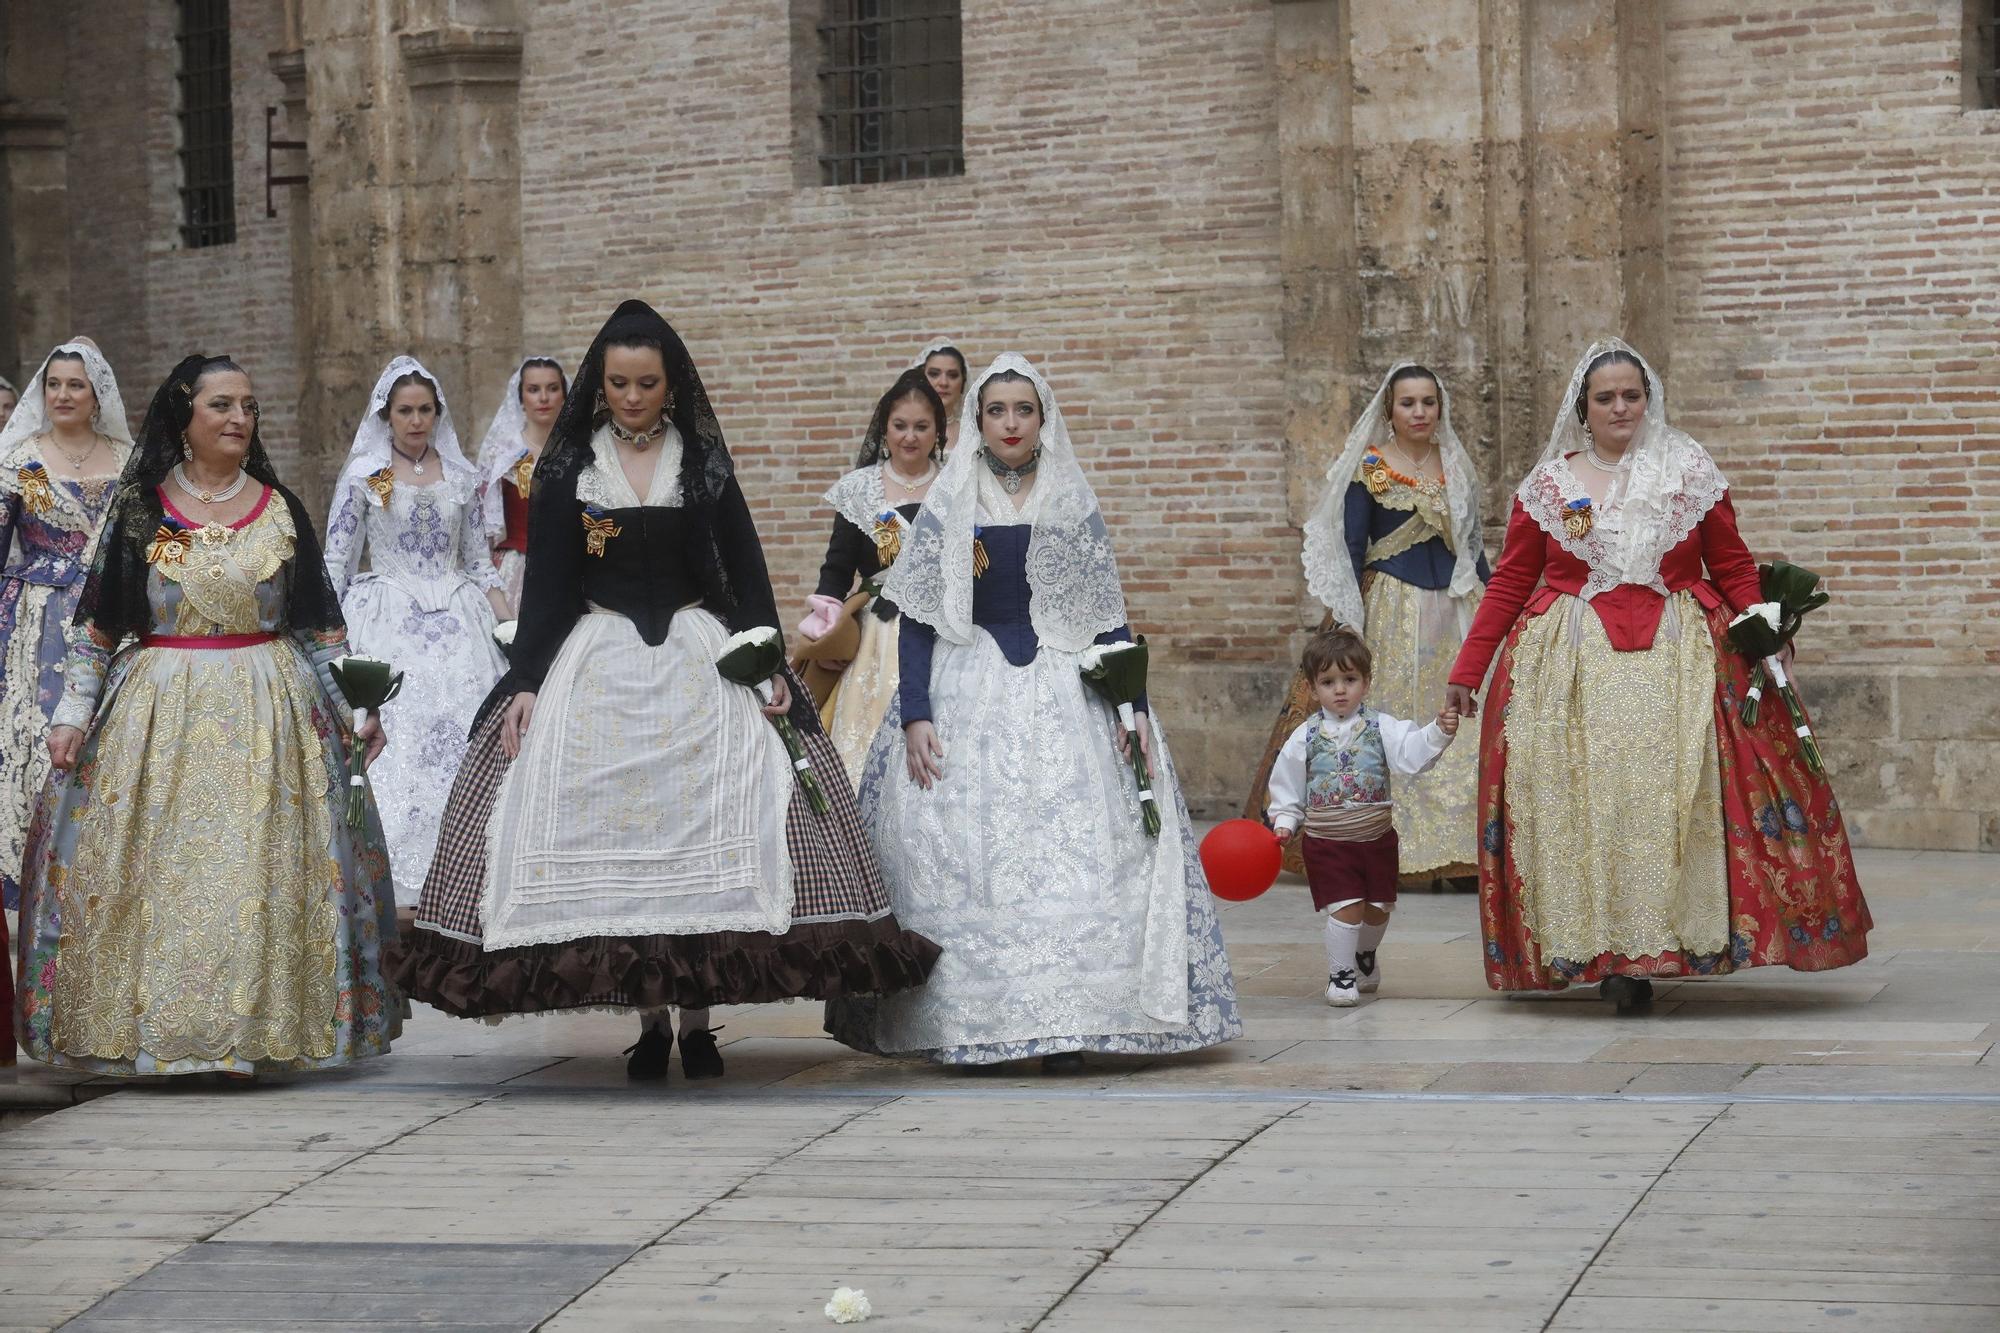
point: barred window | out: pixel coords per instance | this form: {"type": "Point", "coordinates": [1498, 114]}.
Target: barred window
{"type": "Point", "coordinates": [208, 168]}
{"type": "Point", "coordinates": [1982, 55]}
{"type": "Point", "coordinates": [891, 91]}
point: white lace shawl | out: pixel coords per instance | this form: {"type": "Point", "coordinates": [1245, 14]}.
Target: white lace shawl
{"type": "Point", "coordinates": [1072, 574]}
{"type": "Point", "coordinates": [1664, 486]}
{"type": "Point", "coordinates": [500, 448]}
{"type": "Point", "coordinates": [31, 414]}
{"type": "Point", "coordinates": [371, 450]}
{"type": "Point", "coordinates": [858, 497]}
{"type": "Point", "coordinates": [1329, 569]}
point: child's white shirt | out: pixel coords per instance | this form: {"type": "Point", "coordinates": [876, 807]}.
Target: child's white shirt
{"type": "Point", "coordinates": [1410, 747]}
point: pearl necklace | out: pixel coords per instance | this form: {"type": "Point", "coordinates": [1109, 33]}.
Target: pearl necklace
{"type": "Point", "coordinates": [642, 440]}
{"type": "Point", "coordinates": [895, 478]}
{"type": "Point", "coordinates": [223, 496]}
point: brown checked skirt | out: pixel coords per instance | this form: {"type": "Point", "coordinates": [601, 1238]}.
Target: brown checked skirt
{"type": "Point", "coordinates": [843, 940]}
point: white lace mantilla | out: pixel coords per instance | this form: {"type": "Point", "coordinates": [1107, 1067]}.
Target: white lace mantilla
{"type": "Point", "coordinates": [1622, 545]}
{"type": "Point", "coordinates": [858, 497]}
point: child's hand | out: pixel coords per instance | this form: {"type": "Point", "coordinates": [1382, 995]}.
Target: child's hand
{"type": "Point", "coordinates": [1286, 836]}
{"type": "Point", "coordinates": [1448, 722]}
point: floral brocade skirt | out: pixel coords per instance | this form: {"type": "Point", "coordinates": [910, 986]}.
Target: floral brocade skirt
{"type": "Point", "coordinates": [1632, 825]}
{"type": "Point", "coordinates": [193, 899]}
{"type": "Point", "coordinates": [33, 617]}
{"type": "Point", "coordinates": [1415, 634]}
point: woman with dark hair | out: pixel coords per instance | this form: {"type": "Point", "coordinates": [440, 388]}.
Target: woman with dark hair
{"type": "Point", "coordinates": [506, 463]}
{"type": "Point", "coordinates": [944, 366]}
{"type": "Point", "coordinates": [427, 603]}
{"type": "Point", "coordinates": [195, 900]}
{"type": "Point", "coordinates": [10, 398]}
{"type": "Point", "coordinates": [1000, 797]}
{"type": "Point", "coordinates": [648, 845]}
{"type": "Point", "coordinates": [873, 507]}
{"type": "Point", "coordinates": [1394, 551]}
{"type": "Point", "coordinates": [60, 455]}
{"type": "Point", "coordinates": [1632, 825]}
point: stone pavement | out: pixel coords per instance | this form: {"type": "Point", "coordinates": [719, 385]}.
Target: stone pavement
{"type": "Point", "coordinates": [1773, 1152]}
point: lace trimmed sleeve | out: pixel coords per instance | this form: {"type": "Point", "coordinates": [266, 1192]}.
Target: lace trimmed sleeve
{"type": "Point", "coordinates": [344, 537]}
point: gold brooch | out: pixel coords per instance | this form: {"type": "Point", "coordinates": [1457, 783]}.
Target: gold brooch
{"type": "Point", "coordinates": [382, 481]}
{"type": "Point", "coordinates": [597, 530]}
{"type": "Point", "coordinates": [524, 474]}
{"type": "Point", "coordinates": [36, 492]}
{"type": "Point", "coordinates": [1579, 518]}
{"type": "Point", "coordinates": [1375, 474]}
{"type": "Point", "coordinates": [888, 538]}
{"type": "Point", "coordinates": [170, 545]}
{"type": "Point", "coordinates": [980, 563]}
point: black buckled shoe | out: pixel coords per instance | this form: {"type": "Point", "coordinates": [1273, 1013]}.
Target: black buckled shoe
{"type": "Point", "coordinates": [1632, 995]}
{"type": "Point", "coordinates": [650, 1054]}
{"type": "Point", "coordinates": [699, 1056]}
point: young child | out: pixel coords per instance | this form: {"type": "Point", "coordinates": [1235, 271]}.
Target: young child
{"type": "Point", "coordinates": [1331, 782]}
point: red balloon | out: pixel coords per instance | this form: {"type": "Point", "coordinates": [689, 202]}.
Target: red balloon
{"type": "Point", "coordinates": [1241, 859]}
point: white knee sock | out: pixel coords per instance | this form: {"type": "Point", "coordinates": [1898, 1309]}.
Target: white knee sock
{"type": "Point", "coordinates": [1341, 938]}
{"type": "Point", "coordinates": [1371, 936]}
{"type": "Point", "coordinates": [694, 1020]}
{"type": "Point", "coordinates": [655, 1018]}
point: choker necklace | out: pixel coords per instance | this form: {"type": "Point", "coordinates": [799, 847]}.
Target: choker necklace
{"type": "Point", "coordinates": [417, 463]}
{"type": "Point", "coordinates": [891, 475]}
{"type": "Point", "coordinates": [642, 440]}
{"type": "Point", "coordinates": [1598, 459]}
{"type": "Point", "coordinates": [1012, 478]}
{"type": "Point", "coordinates": [223, 496]}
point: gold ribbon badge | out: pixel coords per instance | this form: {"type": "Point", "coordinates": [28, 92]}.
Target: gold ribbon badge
{"type": "Point", "coordinates": [597, 530]}
{"type": "Point", "coordinates": [170, 546]}
{"type": "Point", "coordinates": [382, 481]}
{"type": "Point", "coordinates": [524, 474]}
{"type": "Point", "coordinates": [888, 541]}
{"type": "Point", "coordinates": [1375, 474]}
{"type": "Point", "coordinates": [36, 492]}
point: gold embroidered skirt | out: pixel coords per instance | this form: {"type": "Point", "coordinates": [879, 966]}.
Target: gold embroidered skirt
{"type": "Point", "coordinates": [855, 712]}
{"type": "Point", "coordinates": [194, 899]}
{"type": "Point", "coordinates": [1614, 793]}
{"type": "Point", "coordinates": [1415, 635]}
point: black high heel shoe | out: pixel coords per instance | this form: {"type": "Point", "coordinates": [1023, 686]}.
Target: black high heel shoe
{"type": "Point", "coordinates": [650, 1054]}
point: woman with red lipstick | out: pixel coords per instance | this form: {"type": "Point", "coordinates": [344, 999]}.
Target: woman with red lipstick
{"type": "Point", "coordinates": [195, 900]}
{"type": "Point", "coordinates": [60, 455]}
{"type": "Point", "coordinates": [1631, 825]}
{"type": "Point", "coordinates": [428, 602]}
{"type": "Point", "coordinates": [1394, 551]}
{"type": "Point", "coordinates": [506, 463]}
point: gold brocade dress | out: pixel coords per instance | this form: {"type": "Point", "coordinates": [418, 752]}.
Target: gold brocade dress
{"type": "Point", "coordinates": [194, 899]}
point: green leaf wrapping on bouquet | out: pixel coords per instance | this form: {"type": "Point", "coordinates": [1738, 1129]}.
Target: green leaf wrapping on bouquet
{"type": "Point", "coordinates": [1116, 672]}
{"type": "Point", "coordinates": [366, 683]}
{"type": "Point", "coordinates": [1754, 637]}
{"type": "Point", "coordinates": [752, 657]}
{"type": "Point", "coordinates": [1795, 589]}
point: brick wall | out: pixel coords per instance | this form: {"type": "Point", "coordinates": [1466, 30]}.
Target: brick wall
{"type": "Point", "coordinates": [1834, 245]}
{"type": "Point", "coordinates": [1117, 223]}
{"type": "Point", "coordinates": [146, 300]}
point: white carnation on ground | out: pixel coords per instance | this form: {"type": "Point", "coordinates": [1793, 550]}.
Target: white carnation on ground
{"type": "Point", "coordinates": [848, 1306]}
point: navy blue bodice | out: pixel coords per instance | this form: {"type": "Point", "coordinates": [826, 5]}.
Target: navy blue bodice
{"type": "Point", "coordinates": [1428, 564]}
{"type": "Point", "coordinates": [999, 606]}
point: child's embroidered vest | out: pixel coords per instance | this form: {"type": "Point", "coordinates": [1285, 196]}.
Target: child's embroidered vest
{"type": "Point", "coordinates": [1354, 774]}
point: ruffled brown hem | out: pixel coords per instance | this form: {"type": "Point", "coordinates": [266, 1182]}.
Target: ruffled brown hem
{"type": "Point", "coordinates": [815, 961]}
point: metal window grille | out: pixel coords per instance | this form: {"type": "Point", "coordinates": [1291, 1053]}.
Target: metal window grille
{"type": "Point", "coordinates": [1983, 64]}
{"type": "Point", "coordinates": [891, 91]}
{"type": "Point", "coordinates": [208, 168]}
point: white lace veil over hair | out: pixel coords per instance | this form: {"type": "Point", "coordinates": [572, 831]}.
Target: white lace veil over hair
{"type": "Point", "coordinates": [932, 348]}
{"type": "Point", "coordinates": [1664, 484]}
{"type": "Point", "coordinates": [1329, 568]}
{"type": "Point", "coordinates": [501, 446]}
{"type": "Point", "coordinates": [372, 451]}
{"type": "Point", "coordinates": [31, 415]}
{"type": "Point", "coordinates": [1072, 575]}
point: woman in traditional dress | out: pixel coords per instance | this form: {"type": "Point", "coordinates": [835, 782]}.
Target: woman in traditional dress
{"type": "Point", "coordinates": [195, 899]}
{"type": "Point", "coordinates": [10, 398]}
{"type": "Point", "coordinates": [60, 456]}
{"type": "Point", "coordinates": [1632, 825]}
{"type": "Point", "coordinates": [873, 507]}
{"type": "Point", "coordinates": [1008, 821]}
{"type": "Point", "coordinates": [944, 366]}
{"type": "Point", "coordinates": [649, 845]}
{"type": "Point", "coordinates": [1394, 551]}
{"type": "Point", "coordinates": [428, 604]}
{"type": "Point", "coordinates": [506, 462]}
